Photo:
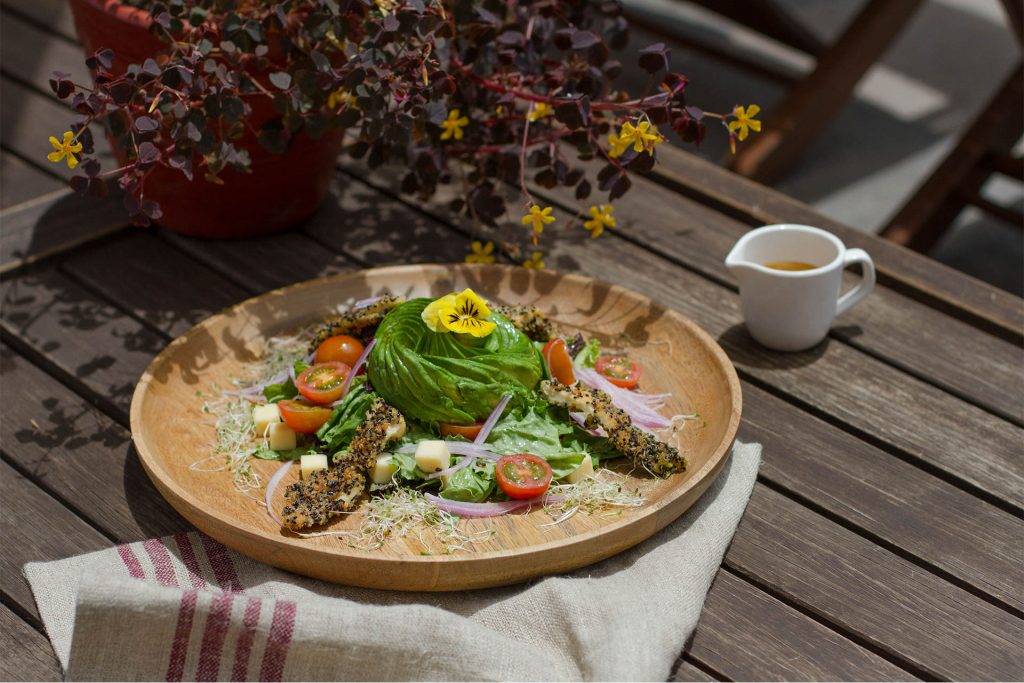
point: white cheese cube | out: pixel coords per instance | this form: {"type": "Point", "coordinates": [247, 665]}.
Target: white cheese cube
{"type": "Point", "coordinates": [383, 470]}
{"type": "Point", "coordinates": [311, 462]}
{"type": "Point", "coordinates": [264, 416]}
{"type": "Point", "coordinates": [433, 456]}
{"type": "Point", "coordinates": [584, 471]}
{"type": "Point", "coordinates": [280, 437]}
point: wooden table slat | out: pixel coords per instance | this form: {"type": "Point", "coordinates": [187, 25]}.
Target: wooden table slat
{"type": "Point", "coordinates": [36, 528]}
{"type": "Point", "coordinates": [874, 595]}
{"type": "Point", "coordinates": [21, 182]}
{"type": "Point", "coordinates": [27, 654]}
{"type": "Point", "coordinates": [81, 455]}
{"type": "Point", "coordinates": [751, 636]}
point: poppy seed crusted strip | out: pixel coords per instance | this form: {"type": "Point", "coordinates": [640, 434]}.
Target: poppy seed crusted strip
{"type": "Point", "coordinates": [354, 322]}
{"type": "Point", "coordinates": [598, 410]}
{"type": "Point", "coordinates": [333, 491]}
{"type": "Point", "coordinates": [528, 320]}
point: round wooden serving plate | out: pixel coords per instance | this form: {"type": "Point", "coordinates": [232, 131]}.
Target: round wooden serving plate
{"type": "Point", "coordinates": [171, 432]}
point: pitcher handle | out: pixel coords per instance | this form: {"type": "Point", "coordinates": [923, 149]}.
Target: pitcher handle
{"type": "Point", "coordinates": [867, 283]}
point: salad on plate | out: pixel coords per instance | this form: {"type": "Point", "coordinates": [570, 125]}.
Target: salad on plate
{"type": "Point", "coordinates": [423, 411]}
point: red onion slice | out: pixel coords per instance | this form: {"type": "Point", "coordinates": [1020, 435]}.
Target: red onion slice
{"type": "Point", "coordinates": [457, 507]}
{"type": "Point", "coordinates": [355, 371]}
{"type": "Point", "coordinates": [580, 419]}
{"type": "Point", "coordinates": [272, 486]}
{"type": "Point", "coordinates": [458, 448]}
{"type": "Point", "coordinates": [639, 412]}
{"type": "Point", "coordinates": [363, 303]}
{"type": "Point", "coordinates": [492, 420]}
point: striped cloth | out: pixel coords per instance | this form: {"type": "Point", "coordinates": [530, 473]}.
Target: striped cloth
{"type": "Point", "coordinates": [184, 607]}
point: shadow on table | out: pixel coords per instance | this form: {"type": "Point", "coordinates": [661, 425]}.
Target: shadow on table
{"type": "Point", "coordinates": [744, 350]}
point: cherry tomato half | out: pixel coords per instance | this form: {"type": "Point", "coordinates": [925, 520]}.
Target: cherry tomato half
{"type": "Point", "coordinates": [466, 431]}
{"type": "Point", "coordinates": [323, 382]}
{"type": "Point", "coordinates": [556, 354]}
{"type": "Point", "coordinates": [304, 418]}
{"type": "Point", "coordinates": [620, 371]}
{"type": "Point", "coordinates": [523, 475]}
{"type": "Point", "coordinates": [341, 348]}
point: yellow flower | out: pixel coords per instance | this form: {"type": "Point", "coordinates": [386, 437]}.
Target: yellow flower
{"type": "Point", "coordinates": [618, 145]}
{"type": "Point", "coordinates": [600, 218]}
{"type": "Point", "coordinates": [464, 313]}
{"type": "Point", "coordinates": [431, 315]}
{"type": "Point", "coordinates": [65, 149]}
{"type": "Point", "coordinates": [340, 97]}
{"type": "Point", "coordinates": [643, 137]}
{"type": "Point", "coordinates": [534, 261]}
{"type": "Point", "coordinates": [501, 109]}
{"type": "Point", "coordinates": [539, 218]}
{"type": "Point", "coordinates": [386, 7]}
{"type": "Point", "coordinates": [539, 111]}
{"type": "Point", "coordinates": [453, 125]}
{"type": "Point", "coordinates": [482, 253]}
{"type": "Point", "coordinates": [745, 121]}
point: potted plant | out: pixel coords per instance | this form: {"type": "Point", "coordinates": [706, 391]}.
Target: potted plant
{"type": "Point", "coordinates": [226, 115]}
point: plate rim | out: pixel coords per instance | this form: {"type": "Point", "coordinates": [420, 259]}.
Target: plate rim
{"type": "Point", "coordinates": [179, 496]}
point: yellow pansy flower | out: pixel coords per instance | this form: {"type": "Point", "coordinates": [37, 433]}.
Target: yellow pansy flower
{"type": "Point", "coordinates": [481, 253]}
{"type": "Point", "coordinates": [431, 315]}
{"type": "Point", "coordinates": [65, 149]}
{"type": "Point", "coordinates": [600, 218]}
{"type": "Point", "coordinates": [538, 217]}
{"type": "Point", "coordinates": [745, 121]}
{"type": "Point", "coordinates": [534, 261]}
{"type": "Point", "coordinates": [453, 125]}
{"type": "Point", "coordinates": [340, 97]}
{"type": "Point", "coordinates": [539, 111]}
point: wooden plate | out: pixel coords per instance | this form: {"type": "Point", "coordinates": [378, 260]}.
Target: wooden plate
{"type": "Point", "coordinates": [171, 433]}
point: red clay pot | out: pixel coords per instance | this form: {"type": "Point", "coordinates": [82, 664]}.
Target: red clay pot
{"type": "Point", "coordinates": [282, 190]}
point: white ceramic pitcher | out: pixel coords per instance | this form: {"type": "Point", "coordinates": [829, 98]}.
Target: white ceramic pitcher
{"type": "Point", "coordinates": [792, 310]}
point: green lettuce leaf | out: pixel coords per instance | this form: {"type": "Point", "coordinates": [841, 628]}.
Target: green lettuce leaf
{"type": "Point", "coordinates": [445, 377]}
{"type": "Point", "coordinates": [587, 356]}
{"type": "Point", "coordinates": [473, 484]}
{"type": "Point", "coordinates": [339, 429]}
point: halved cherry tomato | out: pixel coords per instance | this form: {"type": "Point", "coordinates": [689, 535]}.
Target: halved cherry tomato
{"type": "Point", "coordinates": [466, 431]}
{"type": "Point", "coordinates": [620, 371]}
{"type": "Point", "coordinates": [556, 354]}
{"type": "Point", "coordinates": [323, 382]}
{"type": "Point", "coordinates": [523, 475]}
{"type": "Point", "coordinates": [304, 418]}
{"type": "Point", "coordinates": [341, 348]}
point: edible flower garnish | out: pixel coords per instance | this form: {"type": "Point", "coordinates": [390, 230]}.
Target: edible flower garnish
{"type": "Point", "coordinates": [463, 313]}
{"type": "Point", "coordinates": [66, 149]}
{"type": "Point", "coordinates": [600, 218]}
{"type": "Point", "coordinates": [481, 253]}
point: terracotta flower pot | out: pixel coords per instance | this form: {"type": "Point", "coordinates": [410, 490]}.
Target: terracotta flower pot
{"type": "Point", "coordinates": [281, 190]}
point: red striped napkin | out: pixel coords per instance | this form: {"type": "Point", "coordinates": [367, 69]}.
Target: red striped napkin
{"type": "Point", "coordinates": [184, 607]}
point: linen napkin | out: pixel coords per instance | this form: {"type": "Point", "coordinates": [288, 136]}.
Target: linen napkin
{"type": "Point", "coordinates": [185, 607]}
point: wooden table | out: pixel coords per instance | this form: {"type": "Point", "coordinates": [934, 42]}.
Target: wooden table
{"type": "Point", "coordinates": [884, 536]}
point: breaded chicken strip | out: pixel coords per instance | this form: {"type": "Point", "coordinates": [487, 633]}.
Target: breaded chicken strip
{"type": "Point", "coordinates": [528, 320]}
{"type": "Point", "coordinates": [355, 321]}
{"type": "Point", "coordinates": [338, 489]}
{"type": "Point", "coordinates": [598, 410]}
